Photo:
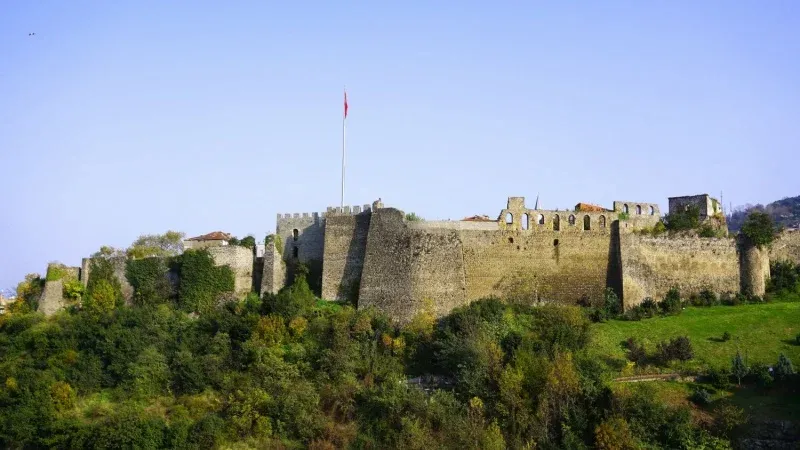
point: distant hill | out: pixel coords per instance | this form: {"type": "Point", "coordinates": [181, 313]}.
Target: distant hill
{"type": "Point", "coordinates": [785, 212]}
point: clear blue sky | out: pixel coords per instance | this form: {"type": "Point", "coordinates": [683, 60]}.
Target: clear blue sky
{"type": "Point", "coordinates": [129, 117]}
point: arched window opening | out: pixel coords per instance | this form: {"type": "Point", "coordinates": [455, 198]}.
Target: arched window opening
{"type": "Point", "coordinates": [555, 242]}
{"type": "Point", "coordinates": [524, 221]}
{"type": "Point", "coordinates": [652, 211]}
{"type": "Point", "coordinates": [509, 218]}
{"type": "Point", "coordinates": [556, 223]}
{"type": "Point", "coordinates": [571, 219]}
{"type": "Point", "coordinates": [511, 240]}
{"type": "Point", "coordinates": [587, 223]}
{"type": "Point", "coordinates": [602, 221]}
{"type": "Point", "coordinates": [625, 208]}
{"type": "Point", "coordinates": [295, 233]}
{"type": "Point", "coordinates": [638, 209]}
{"type": "Point", "coordinates": [540, 219]}
{"type": "Point", "coordinates": [296, 252]}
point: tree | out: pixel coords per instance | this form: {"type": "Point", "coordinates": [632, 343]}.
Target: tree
{"type": "Point", "coordinates": [413, 217]}
{"type": "Point", "coordinates": [759, 229]}
{"type": "Point", "coordinates": [783, 369]}
{"type": "Point", "coordinates": [738, 368]}
{"type": "Point", "coordinates": [167, 244]}
{"type": "Point", "coordinates": [102, 299]}
{"type": "Point", "coordinates": [108, 252]}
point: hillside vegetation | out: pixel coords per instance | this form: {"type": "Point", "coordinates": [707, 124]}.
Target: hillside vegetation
{"type": "Point", "coordinates": [785, 213]}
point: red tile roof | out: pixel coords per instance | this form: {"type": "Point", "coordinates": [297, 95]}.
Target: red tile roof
{"type": "Point", "coordinates": [477, 219]}
{"type": "Point", "coordinates": [588, 207]}
{"type": "Point", "coordinates": [214, 236]}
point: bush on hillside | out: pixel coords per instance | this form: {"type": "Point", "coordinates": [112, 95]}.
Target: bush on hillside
{"type": "Point", "coordinates": [636, 352]}
{"type": "Point", "coordinates": [701, 397]}
{"type": "Point", "coordinates": [783, 368]}
{"type": "Point", "coordinates": [784, 276]}
{"type": "Point", "coordinates": [672, 302]}
{"type": "Point", "coordinates": [679, 348]}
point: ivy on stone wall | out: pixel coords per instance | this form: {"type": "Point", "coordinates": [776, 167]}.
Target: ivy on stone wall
{"type": "Point", "coordinates": [201, 281]}
{"type": "Point", "coordinates": [278, 242]}
{"type": "Point", "coordinates": [103, 289]}
{"type": "Point", "coordinates": [56, 272]}
{"type": "Point", "coordinates": [150, 280]}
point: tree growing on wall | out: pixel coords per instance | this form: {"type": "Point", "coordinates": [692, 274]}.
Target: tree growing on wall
{"type": "Point", "coordinates": [688, 219]}
{"type": "Point", "coordinates": [147, 245]}
{"type": "Point", "coordinates": [413, 217]}
{"type": "Point", "coordinates": [759, 229]}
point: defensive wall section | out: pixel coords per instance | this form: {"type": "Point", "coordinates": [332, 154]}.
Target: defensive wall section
{"type": "Point", "coordinates": [786, 247]}
{"type": "Point", "coordinates": [652, 265]}
{"type": "Point", "coordinates": [239, 259]}
{"type": "Point", "coordinates": [374, 256]}
{"type": "Point", "coordinates": [346, 232]}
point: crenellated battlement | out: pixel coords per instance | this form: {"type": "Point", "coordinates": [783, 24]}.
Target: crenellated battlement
{"type": "Point", "coordinates": [313, 215]}
{"type": "Point", "coordinates": [349, 210]}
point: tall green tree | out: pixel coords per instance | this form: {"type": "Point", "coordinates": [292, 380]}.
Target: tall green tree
{"type": "Point", "coordinates": [147, 245]}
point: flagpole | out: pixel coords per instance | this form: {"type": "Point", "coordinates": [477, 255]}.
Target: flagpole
{"type": "Point", "coordinates": [344, 134]}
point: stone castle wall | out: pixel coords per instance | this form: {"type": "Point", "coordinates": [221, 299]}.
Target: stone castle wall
{"type": "Point", "coordinates": [345, 245]}
{"type": "Point", "coordinates": [273, 277]}
{"type": "Point", "coordinates": [240, 260]}
{"type": "Point", "coordinates": [786, 247]}
{"type": "Point", "coordinates": [309, 243]}
{"type": "Point", "coordinates": [653, 265]}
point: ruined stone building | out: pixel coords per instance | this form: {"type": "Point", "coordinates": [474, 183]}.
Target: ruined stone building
{"type": "Point", "coordinates": [373, 255]}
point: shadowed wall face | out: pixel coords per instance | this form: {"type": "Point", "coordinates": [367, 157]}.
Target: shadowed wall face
{"type": "Point", "coordinates": [345, 246]}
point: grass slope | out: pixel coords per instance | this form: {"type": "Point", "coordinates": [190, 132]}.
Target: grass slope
{"type": "Point", "coordinates": [761, 332]}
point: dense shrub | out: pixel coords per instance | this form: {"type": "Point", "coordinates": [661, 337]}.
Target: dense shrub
{"type": "Point", "coordinates": [150, 280]}
{"type": "Point", "coordinates": [689, 219]}
{"type": "Point", "coordinates": [760, 374]}
{"type": "Point", "coordinates": [679, 348]}
{"type": "Point", "coordinates": [201, 281]}
{"type": "Point", "coordinates": [636, 352]}
{"type": "Point", "coordinates": [672, 302]}
{"type": "Point", "coordinates": [783, 368]}
{"type": "Point", "coordinates": [701, 397]}
{"type": "Point", "coordinates": [759, 229]}
{"type": "Point", "coordinates": [784, 276]}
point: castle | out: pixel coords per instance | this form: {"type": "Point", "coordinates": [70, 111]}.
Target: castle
{"type": "Point", "coordinates": [378, 257]}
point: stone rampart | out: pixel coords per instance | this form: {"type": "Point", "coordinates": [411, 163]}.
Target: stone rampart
{"type": "Point", "coordinates": [52, 299]}
{"type": "Point", "coordinates": [120, 265]}
{"type": "Point", "coordinates": [345, 245]}
{"type": "Point", "coordinates": [563, 265]}
{"type": "Point", "coordinates": [240, 260]}
{"type": "Point", "coordinates": [653, 265]}
{"type": "Point", "coordinates": [273, 278]}
{"type": "Point", "coordinates": [786, 247]}
{"type": "Point", "coordinates": [386, 281]}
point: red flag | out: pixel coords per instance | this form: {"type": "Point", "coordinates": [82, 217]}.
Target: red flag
{"type": "Point", "coordinates": [345, 104]}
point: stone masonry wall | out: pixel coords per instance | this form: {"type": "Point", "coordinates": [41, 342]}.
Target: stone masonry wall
{"type": "Point", "coordinates": [345, 245]}
{"type": "Point", "coordinates": [52, 299]}
{"type": "Point", "coordinates": [786, 247]}
{"type": "Point", "coordinates": [653, 265]}
{"type": "Point", "coordinates": [120, 264]}
{"type": "Point", "coordinates": [240, 260]}
{"type": "Point", "coordinates": [273, 278]}
{"type": "Point", "coordinates": [567, 264]}
{"type": "Point", "coordinates": [458, 262]}
{"type": "Point", "coordinates": [310, 240]}
{"type": "Point", "coordinates": [386, 281]}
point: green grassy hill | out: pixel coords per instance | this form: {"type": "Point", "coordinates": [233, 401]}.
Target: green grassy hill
{"type": "Point", "coordinates": [760, 332]}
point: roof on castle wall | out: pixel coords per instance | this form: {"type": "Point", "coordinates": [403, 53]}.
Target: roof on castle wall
{"type": "Point", "coordinates": [478, 218]}
{"type": "Point", "coordinates": [588, 207]}
{"type": "Point", "coordinates": [213, 236]}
